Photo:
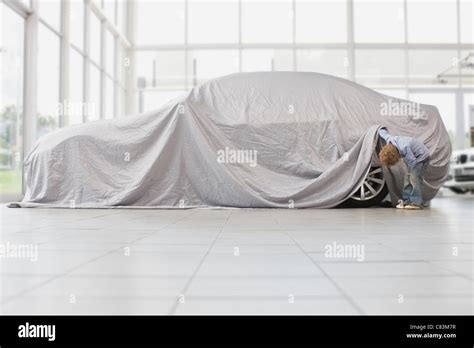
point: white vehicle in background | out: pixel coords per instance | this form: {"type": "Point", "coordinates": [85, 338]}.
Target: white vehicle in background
{"type": "Point", "coordinates": [461, 171]}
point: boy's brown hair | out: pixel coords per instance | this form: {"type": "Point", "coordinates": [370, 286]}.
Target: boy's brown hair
{"type": "Point", "coordinates": [389, 155]}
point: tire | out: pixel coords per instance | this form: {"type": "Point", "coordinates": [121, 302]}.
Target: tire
{"type": "Point", "coordinates": [372, 191]}
{"type": "Point", "coordinates": [458, 190]}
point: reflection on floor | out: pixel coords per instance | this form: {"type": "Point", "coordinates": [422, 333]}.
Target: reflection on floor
{"type": "Point", "coordinates": [339, 261]}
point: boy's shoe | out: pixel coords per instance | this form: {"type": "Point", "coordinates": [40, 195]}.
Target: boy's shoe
{"type": "Point", "coordinates": [401, 204]}
{"type": "Point", "coordinates": [413, 206]}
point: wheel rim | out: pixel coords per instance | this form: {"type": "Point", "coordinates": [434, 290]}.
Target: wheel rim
{"type": "Point", "coordinates": [371, 186]}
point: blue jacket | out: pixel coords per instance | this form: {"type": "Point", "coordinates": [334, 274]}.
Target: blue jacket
{"type": "Point", "coordinates": [412, 150]}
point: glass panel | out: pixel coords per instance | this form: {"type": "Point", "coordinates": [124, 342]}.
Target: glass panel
{"type": "Point", "coordinates": [93, 109]}
{"type": "Point", "coordinates": [110, 53]}
{"type": "Point", "coordinates": [467, 64]}
{"type": "Point", "coordinates": [48, 80]}
{"type": "Point", "coordinates": [95, 37]}
{"type": "Point", "coordinates": [432, 21]}
{"type": "Point", "coordinates": [397, 93]}
{"type": "Point", "coordinates": [76, 87]}
{"type": "Point", "coordinates": [77, 23]}
{"type": "Point", "coordinates": [427, 64]}
{"type": "Point", "coordinates": [161, 22]}
{"type": "Point", "coordinates": [213, 21]}
{"type": "Point", "coordinates": [446, 104]}
{"type": "Point", "coordinates": [259, 26]}
{"type": "Point", "coordinates": [332, 62]}
{"type": "Point", "coordinates": [50, 12]}
{"type": "Point", "coordinates": [121, 4]}
{"type": "Point", "coordinates": [122, 64]}
{"type": "Point", "coordinates": [161, 68]}
{"type": "Point", "coordinates": [11, 102]}
{"type": "Point", "coordinates": [379, 65]}
{"type": "Point", "coordinates": [467, 21]}
{"type": "Point", "coordinates": [121, 102]}
{"type": "Point", "coordinates": [109, 98]}
{"type": "Point", "coordinates": [109, 9]}
{"type": "Point", "coordinates": [153, 100]}
{"type": "Point", "coordinates": [267, 60]}
{"type": "Point", "coordinates": [379, 21]}
{"type": "Point", "coordinates": [468, 117]}
{"type": "Point", "coordinates": [206, 64]}
{"type": "Point", "coordinates": [321, 21]}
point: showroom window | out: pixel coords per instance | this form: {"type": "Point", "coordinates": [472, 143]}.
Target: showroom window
{"type": "Point", "coordinates": [466, 63]}
{"type": "Point", "coordinates": [95, 29]}
{"type": "Point", "coordinates": [94, 93]}
{"type": "Point", "coordinates": [120, 19]}
{"type": "Point", "coordinates": [50, 12]}
{"type": "Point", "coordinates": [48, 80]}
{"type": "Point", "coordinates": [91, 93]}
{"type": "Point", "coordinates": [202, 27]}
{"type": "Point", "coordinates": [396, 93]}
{"type": "Point", "coordinates": [77, 23]}
{"type": "Point", "coordinates": [161, 22]}
{"type": "Point", "coordinates": [109, 8]}
{"type": "Point", "coordinates": [380, 66]}
{"type": "Point", "coordinates": [468, 100]}
{"type": "Point", "coordinates": [109, 98]}
{"type": "Point", "coordinates": [160, 75]}
{"type": "Point", "coordinates": [333, 62]}
{"type": "Point", "coordinates": [425, 65]}
{"type": "Point", "coordinates": [110, 54]}
{"type": "Point", "coordinates": [258, 26]}
{"type": "Point", "coordinates": [436, 24]}
{"type": "Point", "coordinates": [102, 96]}
{"type": "Point", "coordinates": [321, 21]}
{"type": "Point", "coordinates": [153, 99]}
{"type": "Point", "coordinates": [466, 17]}
{"type": "Point", "coordinates": [446, 104]}
{"type": "Point", "coordinates": [207, 64]}
{"type": "Point", "coordinates": [161, 69]}
{"type": "Point", "coordinates": [11, 103]}
{"type": "Point", "coordinates": [76, 106]}
{"type": "Point", "coordinates": [267, 60]}
{"type": "Point", "coordinates": [379, 21]}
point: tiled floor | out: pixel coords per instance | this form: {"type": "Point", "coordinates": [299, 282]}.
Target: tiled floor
{"type": "Point", "coordinates": [239, 261]}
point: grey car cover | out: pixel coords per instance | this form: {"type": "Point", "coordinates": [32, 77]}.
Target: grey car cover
{"type": "Point", "coordinates": [270, 139]}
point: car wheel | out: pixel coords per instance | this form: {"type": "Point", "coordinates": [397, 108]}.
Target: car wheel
{"type": "Point", "coordinates": [372, 191]}
{"type": "Point", "coordinates": [459, 190]}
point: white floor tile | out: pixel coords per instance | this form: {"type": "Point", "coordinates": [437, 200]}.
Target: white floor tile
{"type": "Point", "coordinates": [15, 284]}
{"type": "Point", "coordinates": [259, 238]}
{"type": "Point", "coordinates": [361, 269]}
{"type": "Point", "coordinates": [271, 287]}
{"type": "Point", "coordinates": [462, 267]}
{"type": "Point", "coordinates": [257, 264]}
{"type": "Point", "coordinates": [48, 262]}
{"type": "Point", "coordinates": [146, 264]}
{"type": "Point", "coordinates": [265, 306]}
{"type": "Point", "coordinates": [408, 286]}
{"type": "Point", "coordinates": [91, 306]}
{"type": "Point", "coordinates": [418, 306]}
{"type": "Point", "coordinates": [242, 249]}
{"type": "Point", "coordinates": [103, 286]}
